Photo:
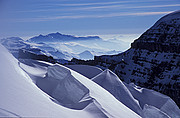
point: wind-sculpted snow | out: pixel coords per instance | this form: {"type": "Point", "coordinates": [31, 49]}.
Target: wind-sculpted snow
{"type": "Point", "coordinates": [157, 100]}
{"type": "Point", "coordinates": [87, 71]}
{"type": "Point", "coordinates": [68, 91]}
{"type": "Point", "coordinates": [68, 94]}
{"type": "Point", "coordinates": [147, 103]}
{"type": "Point", "coordinates": [108, 80]}
{"type": "Point", "coordinates": [20, 97]}
{"type": "Point", "coordinates": [75, 91]}
{"type": "Point", "coordinates": [58, 83]}
{"type": "Point", "coordinates": [111, 106]}
{"type": "Point", "coordinates": [66, 87]}
{"type": "Point", "coordinates": [153, 112]}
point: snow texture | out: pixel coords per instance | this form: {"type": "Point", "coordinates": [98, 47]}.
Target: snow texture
{"type": "Point", "coordinates": [108, 80]}
{"type": "Point", "coordinates": [152, 98]}
{"type": "Point", "coordinates": [21, 98]}
{"type": "Point", "coordinates": [72, 94]}
{"type": "Point", "coordinates": [153, 112]}
{"type": "Point", "coordinates": [87, 71]}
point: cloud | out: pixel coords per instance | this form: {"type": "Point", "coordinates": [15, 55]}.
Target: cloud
{"type": "Point", "coordinates": [100, 7]}
{"type": "Point", "coordinates": [126, 38]}
{"type": "Point", "coordinates": [90, 16]}
{"type": "Point", "coordinates": [124, 7]}
{"type": "Point", "coordinates": [156, 6]}
{"type": "Point", "coordinates": [74, 9]}
{"type": "Point", "coordinates": [95, 3]}
{"type": "Point", "coordinates": [102, 3]}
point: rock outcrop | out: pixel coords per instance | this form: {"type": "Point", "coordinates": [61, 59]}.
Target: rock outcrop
{"type": "Point", "coordinates": [164, 36]}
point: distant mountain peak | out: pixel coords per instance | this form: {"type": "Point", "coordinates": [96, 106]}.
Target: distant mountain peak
{"type": "Point", "coordinates": [58, 33]}
{"type": "Point", "coordinates": [58, 37]}
{"type": "Point", "coordinates": [86, 55]}
{"type": "Point", "coordinates": [40, 35]}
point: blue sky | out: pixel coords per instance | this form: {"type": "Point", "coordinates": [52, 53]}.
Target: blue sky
{"type": "Point", "coordinates": [26, 18]}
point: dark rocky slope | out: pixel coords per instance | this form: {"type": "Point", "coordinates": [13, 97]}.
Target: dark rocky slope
{"type": "Point", "coordinates": [153, 61]}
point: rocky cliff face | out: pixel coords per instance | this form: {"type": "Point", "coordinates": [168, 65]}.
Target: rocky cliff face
{"type": "Point", "coordinates": [153, 61]}
{"type": "Point", "coordinates": [164, 36]}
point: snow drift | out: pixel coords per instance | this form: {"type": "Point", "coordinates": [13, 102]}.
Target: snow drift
{"type": "Point", "coordinates": [66, 93]}
{"type": "Point", "coordinates": [87, 71]}
{"type": "Point", "coordinates": [75, 91]}
{"type": "Point", "coordinates": [151, 100]}
{"type": "Point", "coordinates": [147, 103]}
{"type": "Point", "coordinates": [20, 97]}
{"type": "Point", "coordinates": [108, 80]}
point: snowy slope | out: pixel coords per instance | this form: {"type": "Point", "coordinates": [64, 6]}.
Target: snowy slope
{"type": "Point", "coordinates": [150, 99]}
{"type": "Point", "coordinates": [75, 91]}
{"type": "Point", "coordinates": [69, 94]}
{"type": "Point", "coordinates": [108, 80]}
{"type": "Point", "coordinates": [147, 103]}
{"type": "Point", "coordinates": [58, 80]}
{"type": "Point", "coordinates": [87, 71]}
{"type": "Point", "coordinates": [21, 97]}
{"type": "Point", "coordinates": [153, 112]}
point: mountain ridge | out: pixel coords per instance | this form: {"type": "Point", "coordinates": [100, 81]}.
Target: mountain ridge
{"type": "Point", "coordinates": [152, 61]}
{"type": "Point", "coordinates": [163, 36]}
{"type": "Point", "coordinates": [56, 37]}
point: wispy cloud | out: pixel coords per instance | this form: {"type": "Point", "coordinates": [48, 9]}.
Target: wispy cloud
{"type": "Point", "coordinates": [101, 7]}
{"type": "Point", "coordinates": [103, 3]}
{"type": "Point", "coordinates": [90, 16]}
{"type": "Point", "coordinates": [155, 6]}
{"type": "Point", "coordinates": [76, 9]}
{"type": "Point", "coordinates": [95, 3]}
{"type": "Point", "coordinates": [123, 7]}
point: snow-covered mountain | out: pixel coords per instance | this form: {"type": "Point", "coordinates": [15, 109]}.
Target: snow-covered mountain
{"type": "Point", "coordinates": [32, 88]}
{"type": "Point", "coordinates": [86, 55]}
{"type": "Point", "coordinates": [13, 44]}
{"type": "Point", "coordinates": [87, 71]}
{"type": "Point", "coordinates": [16, 45]}
{"type": "Point", "coordinates": [153, 61]}
{"type": "Point", "coordinates": [89, 55]}
{"type": "Point", "coordinates": [63, 50]}
{"type": "Point", "coordinates": [58, 37]}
